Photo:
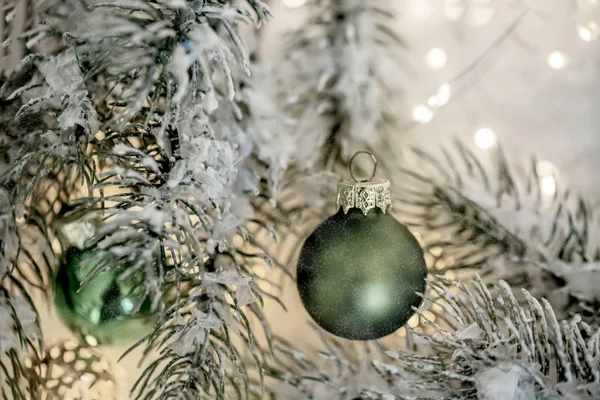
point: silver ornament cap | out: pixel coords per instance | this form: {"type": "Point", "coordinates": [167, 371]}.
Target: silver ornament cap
{"type": "Point", "coordinates": [364, 194]}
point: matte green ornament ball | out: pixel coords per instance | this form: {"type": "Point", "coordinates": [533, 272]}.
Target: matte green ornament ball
{"type": "Point", "coordinates": [358, 274]}
{"type": "Point", "coordinates": [103, 307]}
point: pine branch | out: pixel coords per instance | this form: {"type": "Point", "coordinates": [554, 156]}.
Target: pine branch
{"type": "Point", "coordinates": [19, 332]}
{"type": "Point", "coordinates": [487, 215]}
{"type": "Point", "coordinates": [340, 76]}
{"type": "Point", "coordinates": [488, 345]}
{"type": "Point", "coordinates": [497, 342]}
{"type": "Point", "coordinates": [143, 124]}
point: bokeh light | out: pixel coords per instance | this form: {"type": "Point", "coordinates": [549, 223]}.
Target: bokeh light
{"type": "Point", "coordinates": [485, 138]}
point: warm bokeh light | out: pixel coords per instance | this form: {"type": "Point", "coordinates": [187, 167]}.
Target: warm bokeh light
{"type": "Point", "coordinates": [546, 172]}
{"type": "Point", "coordinates": [557, 60]}
{"type": "Point", "coordinates": [548, 185]}
{"type": "Point", "coordinates": [588, 31]}
{"type": "Point", "coordinates": [442, 97]}
{"type": "Point", "coordinates": [436, 58]}
{"type": "Point", "coordinates": [584, 33]}
{"type": "Point", "coordinates": [485, 138]}
{"type": "Point", "coordinates": [428, 315]}
{"type": "Point", "coordinates": [422, 114]}
{"type": "Point", "coordinates": [413, 322]}
{"type": "Point", "coordinates": [294, 3]}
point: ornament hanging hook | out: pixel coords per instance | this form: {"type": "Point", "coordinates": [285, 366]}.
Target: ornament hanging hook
{"type": "Point", "coordinates": [374, 166]}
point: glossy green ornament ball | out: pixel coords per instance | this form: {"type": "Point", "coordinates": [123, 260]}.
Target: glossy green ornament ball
{"type": "Point", "coordinates": [358, 274]}
{"type": "Point", "coordinates": [103, 307]}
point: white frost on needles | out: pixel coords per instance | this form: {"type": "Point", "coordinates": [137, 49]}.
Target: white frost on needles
{"type": "Point", "coordinates": [502, 383]}
{"type": "Point", "coordinates": [243, 292]}
{"type": "Point", "coordinates": [214, 48]}
{"type": "Point", "coordinates": [179, 66]}
{"type": "Point", "coordinates": [195, 332]}
{"type": "Point", "coordinates": [273, 142]}
{"type": "Point", "coordinates": [343, 69]}
{"type": "Point", "coordinates": [359, 61]}
{"type": "Point", "coordinates": [203, 44]}
{"type": "Point", "coordinates": [582, 280]}
{"type": "Point", "coordinates": [470, 332]}
{"type": "Point", "coordinates": [229, 277]}
{"type": "Point", "coordinates": [67, 88]}
{"type": "Point", "coordinates": [523, 217]}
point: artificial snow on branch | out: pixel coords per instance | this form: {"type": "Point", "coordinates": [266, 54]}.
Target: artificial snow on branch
{"type": "Point", "coordinates": [340, 78]}
{"type": "Point", "coordinates": [488, 215]}
{"type": "Point", "coordinates": [475, 341]}
{"type": "Point", "coordinates": [134, 118]}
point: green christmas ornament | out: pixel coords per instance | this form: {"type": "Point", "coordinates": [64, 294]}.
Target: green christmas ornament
{"type": "Point", "coordinates": [359, 271]}
{"type": "Point", "coordinates": [103, 307]}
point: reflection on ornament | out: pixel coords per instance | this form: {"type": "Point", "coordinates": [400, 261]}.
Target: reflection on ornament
{"type": "Point", "coordinates": [360, 271]}
{"type": "Point", "coordinates": [436, 58]}
{"type": "Point", "coordinates": [422, 114]}
{"type": "Point", "coordinates": [557, 60]}
{"type": "Point", "coordinates": [72, 371]}
{"type": "Point", "coordinates": [485, 138]}
{"type": "Point", "coordinates": [294, 3]}
{"type": "Point", "coordinates": [102, 308]}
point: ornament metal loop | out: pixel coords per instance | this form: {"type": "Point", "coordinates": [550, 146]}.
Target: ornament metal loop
{"type": "Point", "coordinates": [374, 166]}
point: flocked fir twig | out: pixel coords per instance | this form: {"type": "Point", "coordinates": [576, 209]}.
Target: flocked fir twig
{"type": "Point", "coordinates": [488, 215]}
{"type": "Point", "coordinates": [138, 108]}
{"type": "Point", "coordinates": [339, 78]}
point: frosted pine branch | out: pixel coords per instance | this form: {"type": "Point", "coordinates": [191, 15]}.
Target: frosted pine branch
{"type": "Point", "coordinates": [512, 350]}
{"type": "Point", "coordinates": [480, 214]}
{"type": "Point", "coordinates": [492, 347]}
{"type": "Point", "coordinates": [346, 61]}
{"type": "Point", "coordinates": [138, 122]}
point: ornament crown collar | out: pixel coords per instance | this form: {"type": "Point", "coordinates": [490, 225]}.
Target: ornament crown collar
{"type": "Point", "coordinates": [364, 194]}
